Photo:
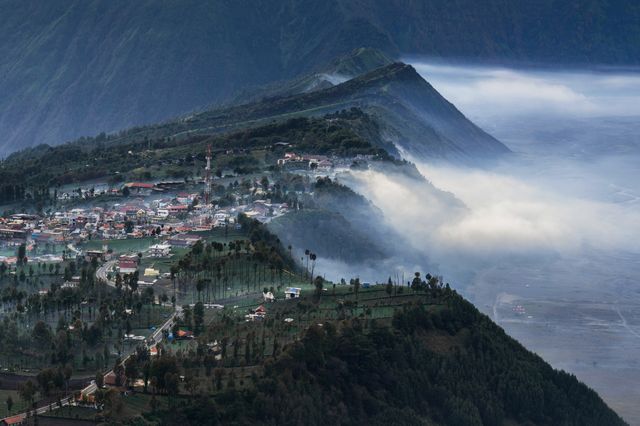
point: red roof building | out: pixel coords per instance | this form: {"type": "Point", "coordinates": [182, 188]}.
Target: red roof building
{"type": "Point", "coordinates": [14, 420]}
{"type": "Point", "coordinates": [184, 334]}
{"type": "Point", "coordinates": [127, 266]}
{"type": "Point", "coordinates": [139, 185]}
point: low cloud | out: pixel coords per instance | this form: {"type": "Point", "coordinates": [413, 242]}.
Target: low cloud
{"type": "Point", "coordinates": [572, 189]}
{"type": "Point", "coordinates": [510, 215]}
{"type": "Point", "coordinates": [505, 218]}
{"type": "Point", "coordinates": [485, 92]}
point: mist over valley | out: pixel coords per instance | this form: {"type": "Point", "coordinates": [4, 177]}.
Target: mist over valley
{"type": "Point", "coordinates": [313, 213]}
{"type": "Point", "coordinates": [545, 240]}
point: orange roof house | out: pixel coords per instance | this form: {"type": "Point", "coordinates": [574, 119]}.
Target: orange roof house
{"type": "Point", "coordinates": [111, 379]}
{"type": "Point", "coordinates": [184, 334]}
{"type": "Point", "coordinates": [14, 420]}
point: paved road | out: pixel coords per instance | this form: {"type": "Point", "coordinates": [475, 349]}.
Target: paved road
{"type": "Point", "coordinates": [103, 271]}
{"type": "Point", "coordinates": [156, 337]}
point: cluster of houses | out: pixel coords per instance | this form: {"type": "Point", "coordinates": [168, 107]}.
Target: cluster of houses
{"type": "Point", "coordinates": [132, 188]}
{"type": "Point", "coordinates": [260, 312]}
{"type": "Point", "coordinates": [320, 163]}
{"type": "Point", "coordinates": [173, 218]}
{"type": "Point", "coordinates": [87, 193]}
{"type": "Point", "coordinates": [293, 161]}
{"type": "Point", "coordinates": [263, 210]}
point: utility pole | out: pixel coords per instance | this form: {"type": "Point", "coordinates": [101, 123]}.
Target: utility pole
{"type": "Point", "coordinates": [207, 178]}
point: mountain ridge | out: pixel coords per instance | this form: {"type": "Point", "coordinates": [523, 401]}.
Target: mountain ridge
{"type": "Point", "coordinates": [424, 123]}
{"type": "Point", "coordinates": [410, 115]}
{"type": "Point", "coordinates": [73, 68]}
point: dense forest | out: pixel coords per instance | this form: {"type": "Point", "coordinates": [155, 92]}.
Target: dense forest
{"type": "Point", "coordinates": [444, 364]}
{"type": "Point", "coordinates": [338, 223]}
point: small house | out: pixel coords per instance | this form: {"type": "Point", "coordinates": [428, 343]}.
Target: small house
{"type": "Point", "coordinates": [292, 292]}
{"type": "Point", "coordinates": [127, 266]}
{"type": "Point", "coordinates": [160, 250]}
{"type": "Point", "coordinates": [94, 254]}
{"type": "Point", "coordinates": [112, 379]}
{"type": "Point", "coordinates": [14, 420]}
{"type": "Point", "coordinates": [268, 297]}
{"type": "Point", "coordinates": [139, 188]}
{"type": "Point", "coordinates": [184, 334]}
{"type": "Point", "coordinates": [150, 272]}
{"type": "Point", "coordinates": [256, 314]}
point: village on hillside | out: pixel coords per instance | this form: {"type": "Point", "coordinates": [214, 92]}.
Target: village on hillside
{"type": "Point", "coordinates": [171, 212]}
{"type": "Point", "coordinates": [135, 241]}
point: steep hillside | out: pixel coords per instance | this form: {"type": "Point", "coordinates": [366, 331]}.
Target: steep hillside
{"type": "Point", "coordinates": [73, 68]}
{"type": "Point", "coordinates": [403, 113]}
{"type": "Point", "coordinates": [337, 223]}
{"type": "Point", "coordinates": [329, 235]}
{"type": "Point", "coordinates": [78, 67]}
{"type": "Point", "coordinates": [436, 362]}
{"type": "Point", "coordinates": [359, 61]}
{"type": "Point", "coordinates": [33, 174]}
{"type": "Point", "coordinates": [412, 116]}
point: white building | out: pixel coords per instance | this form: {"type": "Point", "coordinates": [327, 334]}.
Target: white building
{"type": "Point", "coordinates": [268, 297]}
{"type": "Point", "coordinates": [160, 250]}
{"type": "Point", "coordinates": [292, 292]}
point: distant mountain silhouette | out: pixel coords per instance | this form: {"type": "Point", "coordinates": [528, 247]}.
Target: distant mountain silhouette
{"type": "Point", "coordinates": [79, 67]}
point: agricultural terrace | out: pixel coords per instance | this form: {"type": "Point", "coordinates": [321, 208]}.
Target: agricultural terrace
{"type": "Point", "coordinates": [230, 346]}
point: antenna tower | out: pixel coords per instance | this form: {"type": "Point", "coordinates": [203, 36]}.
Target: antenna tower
{"type": "Point", "coordinates": [207, 178]}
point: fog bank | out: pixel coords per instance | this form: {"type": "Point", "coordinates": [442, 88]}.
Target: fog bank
{"type": "Point", "coordinates": [489, 92]}
{"type": "Point", "coordinates": [554, 229]}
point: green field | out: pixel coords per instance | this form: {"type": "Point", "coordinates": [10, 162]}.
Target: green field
{"type": "Point", "coordinates": [135, 245]}
{"type": "Point", "coordinates": [163, 264]}
{"type": "Point", "coordinates": [8, 251]}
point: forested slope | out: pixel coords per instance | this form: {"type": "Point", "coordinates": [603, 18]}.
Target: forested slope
{"type": "Point", "coordinates": [442, 364]}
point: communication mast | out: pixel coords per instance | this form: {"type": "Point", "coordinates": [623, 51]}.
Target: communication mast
{"type": "Point", "coordinates": [207, 177]}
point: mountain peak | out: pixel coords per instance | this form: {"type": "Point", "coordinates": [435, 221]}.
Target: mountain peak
{"type": "Point", "coordinates": [396, 71]}
{"type": "Point", "coordinates": [359, 61]}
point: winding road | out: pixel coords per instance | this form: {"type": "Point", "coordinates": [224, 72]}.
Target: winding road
{"type": "Point", "coordinates": [157, 336]}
